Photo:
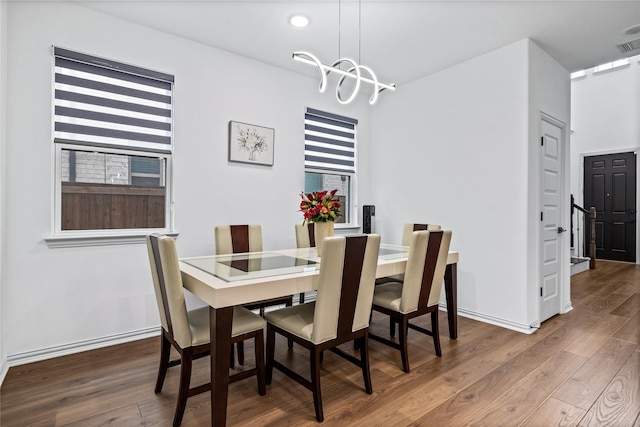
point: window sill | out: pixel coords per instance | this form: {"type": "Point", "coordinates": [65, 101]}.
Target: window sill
{"type": "Point", "coordinates": [78, 241]}
{"type": "Point", "coordinates": [347, 228]}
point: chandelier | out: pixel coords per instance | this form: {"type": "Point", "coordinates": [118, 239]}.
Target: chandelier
{"type": "Point", "coordinates": [354, 71]}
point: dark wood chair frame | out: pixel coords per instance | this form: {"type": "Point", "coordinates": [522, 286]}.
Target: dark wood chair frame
{"type": "Point", "coordinates": [191, 353]}
{"type": "Point", "coordinates": [402, 319]}
{"type": "Point", "coordinates": [315, 360]}
{"type": "Point", "coordinates": [348, 299]}
{"type": "Point", "coordinates": [392, 323]}
{"type": "Point", "coordinates": [312, 244]}
{"type": "Point", "coordinates": [240, 244]}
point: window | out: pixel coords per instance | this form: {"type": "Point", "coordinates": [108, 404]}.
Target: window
{"type": "Point", "coordinates": [330, 157]}
{"type": "Point", "coordinates": [609, 66]}
{"type": "Point", "coordinates": [113, 146]}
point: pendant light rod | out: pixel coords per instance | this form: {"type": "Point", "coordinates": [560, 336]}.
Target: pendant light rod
{"type": "Point", "coordinates": [359, 29]}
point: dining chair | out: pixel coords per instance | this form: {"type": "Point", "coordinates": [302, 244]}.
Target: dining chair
{"type": "Point", "coordinates": [233, 239]}
{"type": "Point", "coordinates": [305, 235]}
{"type": "Point", "coordinates": [419, 292]}
{"type": "Point", "coordinates": [305, 238]}
{"type": "Point", "coordinates": [340, 313]}
{"type": "Point", "coordinates": [188, 330]}
{"type": "Point", "coordinates": [408, 229]}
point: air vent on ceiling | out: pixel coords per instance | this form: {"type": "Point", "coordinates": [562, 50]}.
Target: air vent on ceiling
{"type": "Point", "coordinates": [629, 46]}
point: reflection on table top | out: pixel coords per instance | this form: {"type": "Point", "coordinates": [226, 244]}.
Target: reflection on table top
{"type": "Point", "coordinates": [253, 265]}
{"type": "Point", "coordinates": [235, 267]}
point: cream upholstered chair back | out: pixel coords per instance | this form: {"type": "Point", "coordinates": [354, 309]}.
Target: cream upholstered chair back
{"type": "Point", "coordinates": [408, 229]}
{"type": "Point", "coordinates": [167, 281]}
{"type": "Point", "coordinates": [231, 239]}
{"type": "Point", "coordinates": [305, 235]}
{"type": "Point", "coordinates": [345, 286]}
{"type": "Point", "coordinates": [426, 264]}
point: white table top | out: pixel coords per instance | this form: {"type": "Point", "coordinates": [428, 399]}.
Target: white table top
{"type": "Point", "coordinates": [227, 280]}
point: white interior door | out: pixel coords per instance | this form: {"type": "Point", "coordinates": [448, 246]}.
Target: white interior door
{"type": "Point", "coordinates": [552, 229]}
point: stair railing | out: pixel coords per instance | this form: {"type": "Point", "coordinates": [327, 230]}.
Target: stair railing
{"type": "Point", "coordinates": [592, 223]}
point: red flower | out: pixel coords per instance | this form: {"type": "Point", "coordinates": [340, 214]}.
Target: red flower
{"type": "Point", "coordinates": [320, 206]}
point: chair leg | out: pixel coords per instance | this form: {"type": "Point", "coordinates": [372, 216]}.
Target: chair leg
{"type": "Point", "coordinates": [315, 383]}
{"type": "Point", "coordinates": [435, 332]}
{"type": "Point", "coordinates": [392, 327]}
{"type": "Point", "coordinates": [289, 303]}
{"type": "Point", "coordinates": [185, 380]}
{"type": "Point", "coordinates": [259, 347]}
{"type": "Point", "coordinates": [165, 350]}
{"type": "Point", "coordinates": [403, 326]}
{"type": "Point", "coordinates": [240, 346]}
{"type": "Point", "coordinates": [232, 358]}
{"type": "Point", "coordinates": [271, 348]}
{"type": "Point", "coordinates": [363, 343]}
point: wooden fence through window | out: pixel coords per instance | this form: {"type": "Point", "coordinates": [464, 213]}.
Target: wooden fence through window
{"type": "Point", "coordinates": [108, 206]}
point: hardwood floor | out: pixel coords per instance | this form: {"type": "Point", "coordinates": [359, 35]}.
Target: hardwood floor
{"type": "Point", "coordinates": [579, 369]}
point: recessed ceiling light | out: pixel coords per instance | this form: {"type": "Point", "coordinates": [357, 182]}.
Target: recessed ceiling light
{"type": "Point", "coordinates": [634, 29]}
{"type": "Point", "coordinates": [299, 21]}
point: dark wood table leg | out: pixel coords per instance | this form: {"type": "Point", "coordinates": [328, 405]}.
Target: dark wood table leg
{"type": "Point", "coordinates": [220, 320]}
{"type": "Point", "coordinates": [451, 293]}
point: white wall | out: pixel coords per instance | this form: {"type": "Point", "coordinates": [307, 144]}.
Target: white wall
{"type": "Point", "coordinates": [550, 95]}
{"type": "Point", "coordinates": [66, 299]}
{"type": "Point", "coordinates": [453, 148]}
{"type": "Point", "coordinates": [3, 51]}
{"type": "Point", "coordinates": [605, 118]}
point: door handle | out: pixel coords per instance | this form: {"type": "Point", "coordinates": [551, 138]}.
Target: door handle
{"type": "Point", "coordinates": [561, 230]}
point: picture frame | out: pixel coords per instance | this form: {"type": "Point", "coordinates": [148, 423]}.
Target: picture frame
{"type": "Point", "coordinates": [251, 143]}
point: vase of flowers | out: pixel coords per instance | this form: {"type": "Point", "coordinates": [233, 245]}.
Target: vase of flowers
{"type": "Point", "coordinates": [321, 208]}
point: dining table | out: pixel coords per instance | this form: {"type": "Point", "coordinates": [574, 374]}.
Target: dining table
{"type": "Point", "coordinates": [225, 281]}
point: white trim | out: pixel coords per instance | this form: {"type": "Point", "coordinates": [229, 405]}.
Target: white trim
{"type": "Point", "coordinates": [503, 323]}
{"type": "Point", "coordinates": [564, 219]}
{"type": "Point", "coordinates": [101, 237]}
{"type": "Point", "coordinates": [101, 240]}
{"type": "Point", "coordinates": [3, 371]}
{"type": "Point", "coordinates": [80, 346]}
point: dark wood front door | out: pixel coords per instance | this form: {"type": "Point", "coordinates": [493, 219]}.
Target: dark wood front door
{"type": "Point", "coordinates": [610, 187]}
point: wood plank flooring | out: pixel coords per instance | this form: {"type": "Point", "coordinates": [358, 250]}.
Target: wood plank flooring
{"type": "Point", "coordinates": [579, 369]}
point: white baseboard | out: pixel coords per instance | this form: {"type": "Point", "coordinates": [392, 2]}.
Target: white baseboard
{"type": "Point", "coordinates": [518, 327]}
{"type": "Point", "coordinates": [579, 264]}
{"type": "Point", "coordinates": [567, 308]}
{"type": "Point", "coordinates": [77, 347]}
{"type": "Point", "coordinates": [3, 371]}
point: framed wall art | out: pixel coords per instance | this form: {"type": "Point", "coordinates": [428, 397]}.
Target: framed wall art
{"type": "Point", "coordinates": [251, 143]}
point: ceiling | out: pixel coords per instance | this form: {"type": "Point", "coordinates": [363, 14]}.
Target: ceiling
{"type": "Point", "coordinates": [400, 40]}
